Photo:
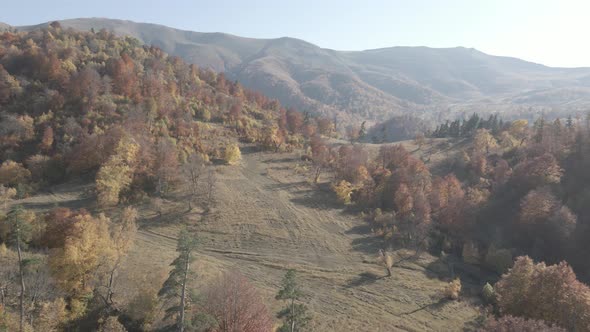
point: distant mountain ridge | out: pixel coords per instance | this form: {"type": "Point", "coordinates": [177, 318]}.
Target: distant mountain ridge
{"type": "Point", "coordinates": [372, 84]}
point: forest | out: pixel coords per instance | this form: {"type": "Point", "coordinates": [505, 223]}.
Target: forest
{"type": "Point", "coordinates": [141, 126]}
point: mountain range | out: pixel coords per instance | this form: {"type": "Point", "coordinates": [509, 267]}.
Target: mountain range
{"type": "Point", "coordinates": [371, 85]}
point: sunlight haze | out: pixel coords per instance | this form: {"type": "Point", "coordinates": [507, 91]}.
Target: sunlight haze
{"type": "Point", "coordinates": [546, 32]}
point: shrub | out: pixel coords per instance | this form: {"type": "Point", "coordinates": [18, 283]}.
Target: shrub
{"type": "Point", "coordinates": [453, 289]}
{"type": "Point", "coordinates": [232, 154]}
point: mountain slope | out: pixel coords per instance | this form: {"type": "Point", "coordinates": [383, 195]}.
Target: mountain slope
{"type": "Point", "coordinates": [372, 84]}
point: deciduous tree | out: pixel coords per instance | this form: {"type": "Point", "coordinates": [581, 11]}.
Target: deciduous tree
{"type": "Point", "coordinates": [236, 305]}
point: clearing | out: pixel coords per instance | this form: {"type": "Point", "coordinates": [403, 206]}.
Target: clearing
{"type": "Point", "coordinates": [266, 219]}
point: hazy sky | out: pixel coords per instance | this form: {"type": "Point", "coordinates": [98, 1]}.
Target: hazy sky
{"type": "Point", "coordinates": [550, 32]}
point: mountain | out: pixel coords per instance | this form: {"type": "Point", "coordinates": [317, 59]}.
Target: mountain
{"type": "Point", "coordinates": [373, 84]}
{"type": "Point", "coordinates": [4, 26]}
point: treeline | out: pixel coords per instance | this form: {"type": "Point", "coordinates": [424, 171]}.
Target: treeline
{"type": "Point", "coordinates": [467, 128]}
{"type": "Point", "coordinates": [517, 190]}
{"type": "Point", "coordinates": [75, 102]}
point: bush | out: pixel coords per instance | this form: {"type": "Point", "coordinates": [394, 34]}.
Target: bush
{"type": "Point", "coordinates": [453, 289]}
{"type": "Point", "coordinates": [232, 154]}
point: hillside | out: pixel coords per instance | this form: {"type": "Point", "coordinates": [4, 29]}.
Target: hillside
{"type": "Point", "coordinates": [373, 84]}
{"type": "Point", "coordinates": [143, 193]}
{"type": "Point", "coordinates": [111, 148]}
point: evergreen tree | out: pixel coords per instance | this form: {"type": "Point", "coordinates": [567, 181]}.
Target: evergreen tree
{"type": "Point", "coordinates": [539, 127]}
{"type": "Point", "coordinates": [175, 287]}
{"type": "Point", "coordinates": [295, 314]}
{"type": "Point", "coordinates": [569, 122]}
{"type": "Point", "coordinates": [362, 131]}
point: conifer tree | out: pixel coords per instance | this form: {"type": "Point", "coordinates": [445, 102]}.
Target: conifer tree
{"type": "Point", "coordinates": [295, 314]}
{"type": "Point", "coordinates": [175, 287]}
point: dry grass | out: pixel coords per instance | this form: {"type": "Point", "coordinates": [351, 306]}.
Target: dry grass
{"type": "Point", "coordinates": [267, 219]}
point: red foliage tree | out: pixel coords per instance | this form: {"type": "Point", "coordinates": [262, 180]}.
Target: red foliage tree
{"type": "Point", "coordinates": [551, 293]}
{"type": "Point", "coordinates": [294, 121]}
{"type": "Point", "coordinates": [236, 305]}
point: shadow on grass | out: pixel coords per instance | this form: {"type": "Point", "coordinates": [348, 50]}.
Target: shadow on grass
{"type": "Point", "coordinates": [249, 149]}
{"type": "Point", "coordinates": [317, 198]}
{"type": "Point", "coordinates": [88, 202]}
{"type": "Point", "coordinates": [284, 186]}
{"type": "Point", "coordinates": [363, 279]}
{"type": "Point", "coordinates": [368, 245]}
{"type": "Point", "coordinates": [431, 306]}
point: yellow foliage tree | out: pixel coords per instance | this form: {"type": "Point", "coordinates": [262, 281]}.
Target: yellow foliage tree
{"type": "Point", "coordinates": [13, 173]}
{"type": "Point", "coordinates": [86, 256]}
{"type": "Point", "coordinates": [116, 174]}
{"type": "Point", "coordinates": [519, 130]}
{"type": "Point", "coordinates": [51, 315]}
{"type": "Point", "coordinates": [122, 237]}
{"type": "Point", "coordinates": [343, 191]}
{"type": "Point", "coordinates": [232, 154]}
{"type": "Point", "coordinates": [484, 141]}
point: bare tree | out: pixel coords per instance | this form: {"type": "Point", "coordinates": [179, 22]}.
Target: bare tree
{"type": "Point", "coordinates": [210, 186]}
{"type": "Point", "coordinates": [386, 260]}
{"type": "Point", "coordinates": [192, 171]}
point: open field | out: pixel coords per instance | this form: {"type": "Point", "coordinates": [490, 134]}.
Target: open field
{"type": "Point", "coordinates": [266, 219]}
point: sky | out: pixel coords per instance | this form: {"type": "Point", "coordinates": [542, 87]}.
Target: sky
{"type": "Point", "coordinates": [551, 32]}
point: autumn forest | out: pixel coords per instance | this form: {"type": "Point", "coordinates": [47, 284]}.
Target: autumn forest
{"type": "Point", "coordinates": [149, 145]}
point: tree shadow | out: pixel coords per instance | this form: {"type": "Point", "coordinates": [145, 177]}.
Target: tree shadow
{"type": "Point", "coordinates": [431, 306]}
{"type": "Point", "coordinates": [320, 197]}
{"type": "Point", "coordinates": [284, 186]}
{"type": "Point", "coordinates": [282, 160]}
{"type": "Point", "coordinates": [363, 229]}
{"type": "Point", "coordinates": [363, 279]}
{"type": "Point", "coordinates": [368, 244]}
{"type": "Point", "coordinates": [249, 149]}
{"type": "Point", "coordinates": [86, 202]}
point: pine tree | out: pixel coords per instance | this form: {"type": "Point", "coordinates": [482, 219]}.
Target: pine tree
{"type": "Point", "coordinates": [295, 314]}
{"type": "Point", "coordinates": [175, 287]}
{"type": "Point", "coordinates": [362, 131]}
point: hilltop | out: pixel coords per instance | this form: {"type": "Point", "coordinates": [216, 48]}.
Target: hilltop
{"type": "Point", "coordinates": [373, 84]}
